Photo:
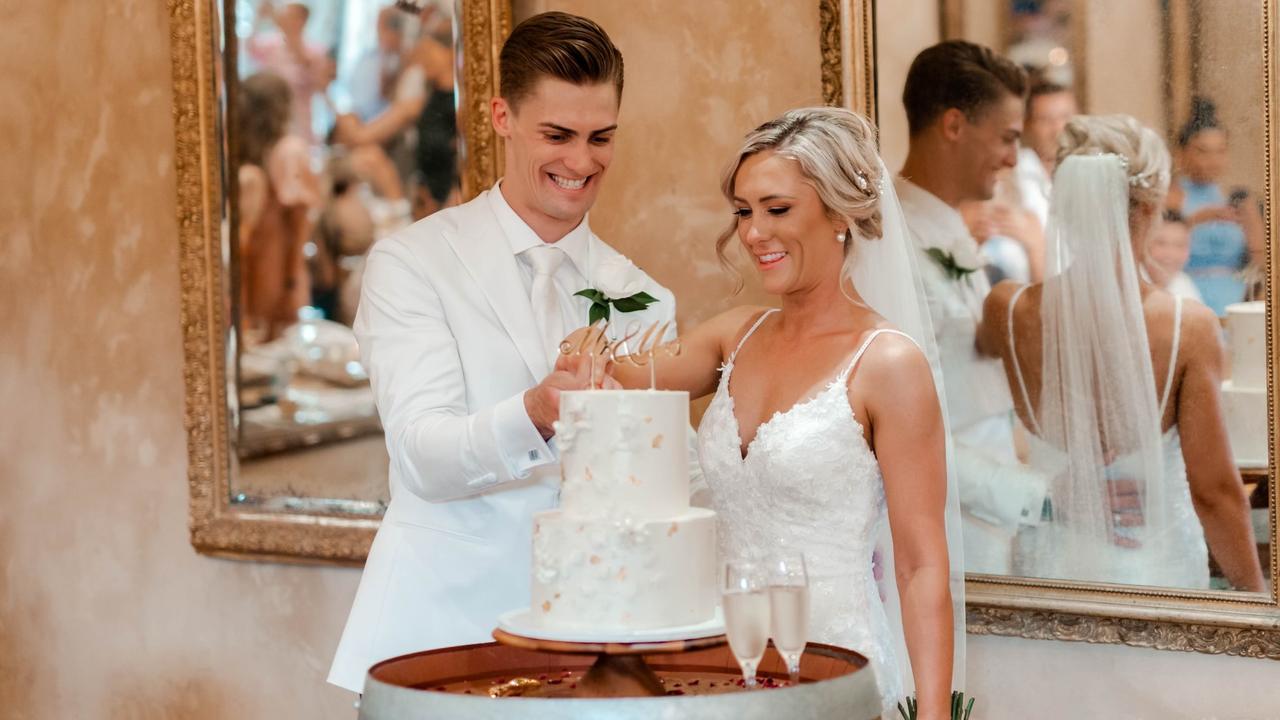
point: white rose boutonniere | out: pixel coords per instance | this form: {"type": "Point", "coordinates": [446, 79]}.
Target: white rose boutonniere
{"type": "Point", "coordinates": [958, 265]}
{"type": "Point", "coordinates": [619, 284]}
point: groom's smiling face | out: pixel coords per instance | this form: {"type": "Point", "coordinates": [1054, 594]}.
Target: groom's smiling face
{"type": "Point", "coordinates": [559, 143]}
{"type": "Point", "coordinates": [784, 227]}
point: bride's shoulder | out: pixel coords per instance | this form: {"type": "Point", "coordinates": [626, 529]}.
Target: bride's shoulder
{"type": "Point", "coordinates": [892, 361]}
{"type": "Point", "coordinates": [736, 321]}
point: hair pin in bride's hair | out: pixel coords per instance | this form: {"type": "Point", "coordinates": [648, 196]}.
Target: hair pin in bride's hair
{"type": "Point", "coordinates": [860, 179]}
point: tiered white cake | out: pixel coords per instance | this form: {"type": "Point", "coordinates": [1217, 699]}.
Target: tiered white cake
{"type": "Point", "coordinates": [625, 552]}
{"type": "Point", "coordinates": [1244, 396]}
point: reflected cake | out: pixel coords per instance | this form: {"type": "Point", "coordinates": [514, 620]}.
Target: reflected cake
{"type": "Point", "coordinates": [1244, 396]}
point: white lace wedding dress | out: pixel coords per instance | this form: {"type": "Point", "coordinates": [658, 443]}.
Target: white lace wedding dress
{"type": "Point", "coordinates": [1176, 557]}
{"type": "Point", "coordinates": [810, 482]}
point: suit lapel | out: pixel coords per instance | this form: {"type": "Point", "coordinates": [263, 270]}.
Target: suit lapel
{"type": "Point", "coordinates": [481, 246]}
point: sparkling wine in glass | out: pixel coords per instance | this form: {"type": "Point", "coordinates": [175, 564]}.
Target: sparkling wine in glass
{"type": "Point", "coordinates": [745, 597]}
{"type": "Point", "coordinates": [789, 609]}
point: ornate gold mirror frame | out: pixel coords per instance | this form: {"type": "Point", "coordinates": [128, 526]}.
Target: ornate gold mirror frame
{"type": "Point", "coordinates": [1245, 624]}
{"type": "Point", "coordinates": [218, 527]}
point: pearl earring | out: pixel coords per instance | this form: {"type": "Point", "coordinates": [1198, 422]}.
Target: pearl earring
{"type": "Point", "coordinates": [841, 237]}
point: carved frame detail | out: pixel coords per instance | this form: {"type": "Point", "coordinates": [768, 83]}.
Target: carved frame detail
{"type": "Point", "coordinates": [847, 30]}
{"type": "Point", "coordinates": [218, 527]}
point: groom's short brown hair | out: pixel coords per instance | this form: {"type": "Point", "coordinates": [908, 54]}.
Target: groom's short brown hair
{"type": "Point", "coordinates": [958, 74]}
{"type": "Point", "coordinates": [558, 45]}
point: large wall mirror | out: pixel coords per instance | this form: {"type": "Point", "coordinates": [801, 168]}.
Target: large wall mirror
{"type": "Point", "coordinates": [1197, 73]}
{"type": "Point", "coordinates": [312, 129]}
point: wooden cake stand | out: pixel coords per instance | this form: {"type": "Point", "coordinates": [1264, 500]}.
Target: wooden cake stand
{"type": "Point", "coordinates": [619, 669]}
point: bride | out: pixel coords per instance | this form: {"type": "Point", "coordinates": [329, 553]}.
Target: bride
{"type": "Point", "coordinates": [1118, 382]}
{"type": "Point", "coordinates": [826, 421]}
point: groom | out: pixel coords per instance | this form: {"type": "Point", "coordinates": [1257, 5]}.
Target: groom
{"type": "Point", "coordinates": [964, 108]}
{"type": "Point", "coordinates": [459, 324]}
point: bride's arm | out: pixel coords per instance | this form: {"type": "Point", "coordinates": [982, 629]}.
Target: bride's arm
{"type": "Point", "coordinates": [1216, 489]}
{"type": "Point", "coordinates": [909, 441]}
{"type": "Point", "coordinates": [696, 369]}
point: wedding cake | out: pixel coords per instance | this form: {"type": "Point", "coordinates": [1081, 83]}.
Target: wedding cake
{"type": "Point", "coordinates": [1244, 396]}
{"type": "Point", "coordinates": [625, 551]}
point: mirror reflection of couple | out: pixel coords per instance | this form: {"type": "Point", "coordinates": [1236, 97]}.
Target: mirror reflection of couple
{"type": "Point", "coordinates": [828, 426]}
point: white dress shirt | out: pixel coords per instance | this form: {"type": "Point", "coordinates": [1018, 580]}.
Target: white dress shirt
{"type": "Point", "coordinates": [996, 492]}
{"type": "Point", "coordinates": [570, 277]}
{"type": "Point", "coordinates": [1033, 184]}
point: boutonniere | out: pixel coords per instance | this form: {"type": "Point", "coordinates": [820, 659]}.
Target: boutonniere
{"type": "Point", "coordinates": [618, 285]}
{"type": "Point", "coordinates": [959, 265]}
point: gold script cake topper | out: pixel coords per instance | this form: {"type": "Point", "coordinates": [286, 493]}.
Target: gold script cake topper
{"type": "Point", "coordinates": [639, 346]}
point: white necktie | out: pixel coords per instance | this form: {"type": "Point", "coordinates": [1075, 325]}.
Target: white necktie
{"type": "Point", "coordinates": [544, 296]}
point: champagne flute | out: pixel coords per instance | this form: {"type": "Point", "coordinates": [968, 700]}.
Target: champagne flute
{"type": "Point", "coordinates": [789, 609]}
{"type": "Point", "coordinates": [745, 597]}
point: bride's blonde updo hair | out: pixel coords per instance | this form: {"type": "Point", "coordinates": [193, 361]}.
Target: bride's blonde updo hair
{"type": "Point", "coordinates": [836, 151]}
{"type": "Point", "coordinates": [1143, 151]}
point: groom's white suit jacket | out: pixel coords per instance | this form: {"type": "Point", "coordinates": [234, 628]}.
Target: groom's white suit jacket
{"type": "Point", "coordinates": [449, 338]}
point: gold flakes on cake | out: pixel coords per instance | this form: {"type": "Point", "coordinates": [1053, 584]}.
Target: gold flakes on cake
{"type": "Point", "coordinates": [675, 528]}
{"type": "Point", "coordinates": [557, 596]}
{"type": "Point", "coordinates": [657, 440]}
{"type": "Point", "coordinates": [586, 471]}
{"type": "Point", "coordinates": [595, 559]}
{"type": "Point", "coordinates": [634, 480]}
{"type": "Point", "coordinates": [622, 574]}
{"type": "Point", "coordinates": [648, 420]}
{"type": "Point", "coordinates": [546, 606]}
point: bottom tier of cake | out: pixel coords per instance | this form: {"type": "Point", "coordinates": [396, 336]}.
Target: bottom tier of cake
{"type": "Point", "coordinates": [1246, 414]}
{"type": "Point", "coordinates": [620, 575]}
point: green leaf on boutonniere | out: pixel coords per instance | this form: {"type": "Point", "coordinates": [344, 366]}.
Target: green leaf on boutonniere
{"type": "Point", "coordinates": [592, 294]}
{"type": "Point", "coordinates": [948, 263]}
{"type": "Point", "coordinates": [598, 312]}
{"type": "Point", "coordinates": [601, 303]}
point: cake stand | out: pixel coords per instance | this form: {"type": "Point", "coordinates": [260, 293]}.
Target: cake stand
{"type": "Point", "coordinates": [619, 669]}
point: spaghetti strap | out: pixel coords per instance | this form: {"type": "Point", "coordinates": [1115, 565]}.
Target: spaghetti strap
{"type": "Point", "coordinates": [1173, 355]}
{"type": "Point", "coordinates": [754, 327]}
{"type": "Point", "coordinates": [1017, 368]}
{"type": "Point", "coordinates": [843, 377]}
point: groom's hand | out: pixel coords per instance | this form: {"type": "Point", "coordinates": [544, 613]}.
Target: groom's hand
{"type": "Point", "coordinates": [578, 372]}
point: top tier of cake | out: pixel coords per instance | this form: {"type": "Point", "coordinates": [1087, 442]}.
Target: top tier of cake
{"type": "Point", "coordinates": [624, 453]}
{"type": "Point", "coordinates": [1247, 335]}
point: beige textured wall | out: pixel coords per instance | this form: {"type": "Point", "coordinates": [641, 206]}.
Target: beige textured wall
{"type": "Point", "coordinates": [105, 611]}
{"type": "Point", "coordinates": [1230, 74]}
{"type": "Point", "coordinates": [1122, 72]}
{"type": "Point", "coordinates": [903, 29]}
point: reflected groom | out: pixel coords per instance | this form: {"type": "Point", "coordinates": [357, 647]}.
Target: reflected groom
{"type": "Point", "coordinates": [459, 324]}
{"type": "Point", "coordinates": [964, 108]}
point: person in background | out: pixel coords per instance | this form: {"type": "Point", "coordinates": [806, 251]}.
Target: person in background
{"type": "Point", "coordinates": [287, 54]}
{"type": "Point", "coordinates": [1049, 107]}
{"type": "Point", "coordinates": [1011, 226]}
{"type": "Point", "coordinates": [422, 103]}
{"type": "Point", "coordinates": [277, 193]}
{"type": "Point", "coordinates": [1226, 226]}
{"type": "Point", "coordinates": [374, 78]}
{"type": "Point", "coordinates": [1167, 255]}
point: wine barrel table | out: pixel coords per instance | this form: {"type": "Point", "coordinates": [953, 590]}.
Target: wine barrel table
{"type": "Point", "coordinates": [494, 680]}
